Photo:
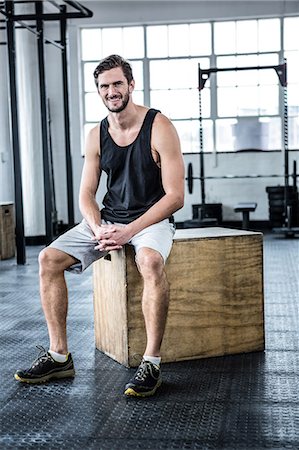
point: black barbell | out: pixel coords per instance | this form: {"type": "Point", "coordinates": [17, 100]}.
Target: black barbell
{"type": "Point", "coordinates": [190, 177]}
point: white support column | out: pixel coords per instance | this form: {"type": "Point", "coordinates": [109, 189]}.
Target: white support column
{"type": "Point", "coordinates": [30, 132]}
{"type": "Point", "coordinates": [6, 160]}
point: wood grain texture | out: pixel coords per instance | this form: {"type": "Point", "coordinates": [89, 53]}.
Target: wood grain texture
{"type": "Point", "coordinates": [110, 306]}
{"type": "Point", "coordinates": [7, 231]}
{"type": "Point", "coordinates": [216, 296]}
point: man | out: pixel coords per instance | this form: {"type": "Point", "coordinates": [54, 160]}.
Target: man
{"type": "Point", "coordinates": [139, 150]}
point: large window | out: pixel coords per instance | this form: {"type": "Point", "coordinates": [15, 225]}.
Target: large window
{"type": "Point", "coordinates": [240, 109]}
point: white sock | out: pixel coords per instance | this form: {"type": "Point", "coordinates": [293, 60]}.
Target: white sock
{"type": "Point", "coordinates": [58, 356]}
{"type": "Point", "coordinates": [153, 359]}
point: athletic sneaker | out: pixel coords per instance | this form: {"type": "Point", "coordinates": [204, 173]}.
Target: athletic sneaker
{"type": "Point", "coordinates": [45, 368]}
{"type": "Point", "coordinates": [145, 382]}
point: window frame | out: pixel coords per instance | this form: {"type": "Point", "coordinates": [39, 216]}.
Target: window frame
{"type": "Point", "coordinates": [214, 116]}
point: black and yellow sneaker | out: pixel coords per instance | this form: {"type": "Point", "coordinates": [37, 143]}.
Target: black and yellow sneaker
{"type": "Point", "coordinates": [145, 382]}
{"type": "Point", "coordinates": [45, 368]}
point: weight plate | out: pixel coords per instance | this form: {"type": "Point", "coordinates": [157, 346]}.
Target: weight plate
{"type": "Point", "coordinates": [279, 189]}
{"type": "Point", "coordinates": [291, 196]}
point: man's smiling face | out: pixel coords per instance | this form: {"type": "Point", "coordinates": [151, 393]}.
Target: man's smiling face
{"type": "Point", "coordinates": [114, 89]}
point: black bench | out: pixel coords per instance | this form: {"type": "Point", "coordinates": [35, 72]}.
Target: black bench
{"type": "Point", "coordinates": [245, 209]}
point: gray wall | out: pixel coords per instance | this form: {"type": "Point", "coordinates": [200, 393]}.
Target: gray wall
{"type": "Point", "coordinates": [146, 12]}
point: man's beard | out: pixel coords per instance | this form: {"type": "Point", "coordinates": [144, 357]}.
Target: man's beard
{"type": "Point", "coordinates": [120, 108]}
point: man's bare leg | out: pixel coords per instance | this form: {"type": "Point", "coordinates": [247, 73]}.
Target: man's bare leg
{"type": "Point", "coordinates": [155, 298]}
{"type": "Point", "coordinates": [54, 295]}
{"type": "Point", "coordinates": [54, 300]}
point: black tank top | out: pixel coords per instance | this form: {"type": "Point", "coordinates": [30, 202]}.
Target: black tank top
{"type": "Point", "coordinates": [134, 181]}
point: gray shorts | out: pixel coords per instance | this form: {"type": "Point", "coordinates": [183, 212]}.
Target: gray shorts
{"type": "Point", "coordinates": [77, 242]}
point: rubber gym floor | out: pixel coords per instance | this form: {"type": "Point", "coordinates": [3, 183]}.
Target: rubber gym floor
{"type": "Point", "coordinates": [246, 401]}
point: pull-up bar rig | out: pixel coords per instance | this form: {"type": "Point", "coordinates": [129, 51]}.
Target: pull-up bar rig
{"type": "Point", "coordinates": [39, 16]}
{"type": "Point", "coordinates": [203, 76]}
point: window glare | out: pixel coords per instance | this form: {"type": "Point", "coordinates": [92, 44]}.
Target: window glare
{"type": "Point", "coordinates": [291, 27]}
{"type": "Point", "coordinates": [200, 39]}
{"type": "Point", "coordinates": [293, 96]}
{"type": "Point", "coordinates": [112, 41]}
{"type": "Point", "coordinates": [159, 74]}
{"type": "Point", "coordinates": [227, 61]}
{"type": "Point", "coordinates": [161, 101]}
{"type": "Point", "coordinates": [138, 97]}
{"type": "Point", "coordinates": [175, 73]}
{"type": "Point", "coordinates": [137, 68]}
{"type": "Point", "coordinates": [268, 35]}
{"type": "Point", "coordinates": [181, 104]}
{"type": "Point", "coordinates": [89, 84]}
{"type": "Point", "coordinates": [268, 59]}
{"type": "Point", "coordinates": [246, 36]}
{"type": "Point", "coordinates": [94, 108]}
{"type": "Point", "coordinates": [224, 134]}
{"type": "Point", "coordinates": [188, 131]}
{"type": "Point", "coordinates": [246, 60]}
{"type": "Point", "coordinates": [227, 102]}
{"type": "Point", "coordinates": [133, 42]}
{"type": "Point", "coordinates": [178, 40]}
{"type": "Point", "coordinates": [268, 100]}
{"type": "Point", "coordinates": [91, 44]}
{"type": "Point", "coordinates": [247, 77]}
{"type": "Point", "coordinates": [225, 37]}
{"type": "Point", "coordinates": [227, 78]}
{"type": "Point", "coordinates": [157, 41]}
{"type": "Point", "coordinates": [247, 100]}
{"type": "Point", "coordinates": [271, 133]}
{"type": "Point", "coordinates": [294, 132]}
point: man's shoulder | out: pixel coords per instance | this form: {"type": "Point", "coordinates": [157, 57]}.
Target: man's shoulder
{"type": "Point", "coordinates": [93, 140]}
{"type": "Point", "coordinates": [94, 133]}
{"type": "Point", "coordinates": [161, 121]}
{"type": "Point", "coordinates": [163, 132]}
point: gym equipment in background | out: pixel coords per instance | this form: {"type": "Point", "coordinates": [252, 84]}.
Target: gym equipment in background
{"type": "Point", "coordinates": [287, 224]}
{"type": "Point", "coordinates": [68, 10]}
{"type": "Point", "coordinates": [280, 197]}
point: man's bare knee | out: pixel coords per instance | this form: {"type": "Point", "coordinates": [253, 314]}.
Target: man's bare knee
{"type": "Point", "coordinates": [150, 263]}
{"type": "Point", "coordinates": [53, 260]}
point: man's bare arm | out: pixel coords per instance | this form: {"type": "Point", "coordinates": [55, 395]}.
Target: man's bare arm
{"type": "Point", "coordinates": [90, 181]}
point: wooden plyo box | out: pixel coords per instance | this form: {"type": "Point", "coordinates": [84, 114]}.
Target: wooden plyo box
{"type": "Point", "coordinates": [216, 298]}
{"type": "Point", "coordinates": [7, 231]}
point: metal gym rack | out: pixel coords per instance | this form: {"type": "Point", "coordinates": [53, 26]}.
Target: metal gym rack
{"type": "Point", "coordinates": [66, 10]}
{"type": "Point", "coordinates": [203, 76]}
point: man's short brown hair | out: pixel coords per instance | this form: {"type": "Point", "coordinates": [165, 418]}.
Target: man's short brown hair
{"type": "Point", "coordinates": [111, 62]}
